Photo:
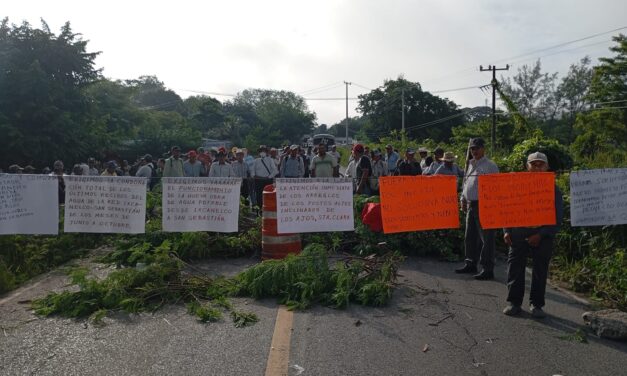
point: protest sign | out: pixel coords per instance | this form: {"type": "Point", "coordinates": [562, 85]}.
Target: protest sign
{"type": "Point", "coordinates": [520, 199]}
{"type": "Point", "coordinates": [414, 203]}
{"type": "Point", "coordinates": [29, 204]}
{"type": "Point", "coordinates": [314, 205]}
{"type": "Point", "coordinates": [105, 204]}
{"type": "Point", "coordinates": [598, 197]}
{"type": "Point", "coordinates": [201, 204]}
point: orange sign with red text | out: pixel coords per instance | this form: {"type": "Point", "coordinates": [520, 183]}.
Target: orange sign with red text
{"type": "Point", "coordinates": [414, 203]}
{"type": "Point", "coordinates": [520, 199]}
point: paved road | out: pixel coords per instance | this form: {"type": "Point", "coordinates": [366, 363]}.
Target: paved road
{"type": "Point", "coordinates": [438, 323]}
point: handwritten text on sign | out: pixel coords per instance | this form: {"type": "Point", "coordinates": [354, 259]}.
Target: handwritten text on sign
{"type": "Point", "coordinates": [105, 204]}
{"type": "Point", "coordinates": [521, 199]}
{"type": "Point", "coordinates": [314, 205]}
{"type": "Point", "coordinates": [598, 197]}
{"type": "Point", "coordinates": [201, 204]}
{"type": "Point", "coordinates": [413, 203]}
{"type": "Point", "coordinates": [29, 204]}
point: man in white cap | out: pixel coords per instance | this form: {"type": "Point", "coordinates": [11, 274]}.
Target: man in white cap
{"type": "Point", "coordinates": [391, 158]}
{"type": "Point", "coordinates": [423, 152]}
{"type": "Point", "coordinates": [335, 154]}
{"type": "Point", "coordinates": [536, 242]}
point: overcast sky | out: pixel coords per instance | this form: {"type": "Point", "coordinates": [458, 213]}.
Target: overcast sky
{"type": "Point", "coordinates": [228, 46]}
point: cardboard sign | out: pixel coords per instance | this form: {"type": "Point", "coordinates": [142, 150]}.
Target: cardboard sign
{"type": "Point", "coordinates": [415, 203]}
{"type": "Point", "coordinates": [105, 204]}
{"type": "Point", "coordinates": [598, 197]}
{"type": "Point", "coordinates": [520, 199]}
{"type": "Point", "coordinates": [314, 205]}
{"type": "Point", "coordinates": [201, 204]}
{"type": "Point", "coordinates": [29, 204]}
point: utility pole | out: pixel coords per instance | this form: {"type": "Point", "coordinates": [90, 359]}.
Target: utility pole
{"type": "Point", "coordinates": [493, 68]}
{"type": "Point", "coordinates": [403, 110]}
{"type": "Point", "coordinates": [347, 83]}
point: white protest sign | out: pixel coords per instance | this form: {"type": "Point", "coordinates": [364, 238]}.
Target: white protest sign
{"type": "Point", "coordinates": [29, 204]}
{"type": "Point", "coordinates": [201, 204]}
{"type": "Point", "coordinates": [598, 197]}
{"type": "Point", "coordinates": [314, 205]}
{"type": "Point", "coordinates": [105, 204]}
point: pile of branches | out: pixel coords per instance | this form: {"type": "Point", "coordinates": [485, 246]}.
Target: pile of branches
{"type": "Point", "coordinates": [297, 281]}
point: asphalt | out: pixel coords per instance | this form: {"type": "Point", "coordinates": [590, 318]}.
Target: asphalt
{"type": "Point", "coordinates": [438, 323]}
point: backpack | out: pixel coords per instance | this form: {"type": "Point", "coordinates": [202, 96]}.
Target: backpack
{"type": "Point", "coordinates": [154, 177]}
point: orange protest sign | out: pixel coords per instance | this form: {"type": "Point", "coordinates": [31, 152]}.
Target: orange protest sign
{"type": "Point", "coordinates": [413, 203]}
{"type": "Point", "coordinates": [520, 199]}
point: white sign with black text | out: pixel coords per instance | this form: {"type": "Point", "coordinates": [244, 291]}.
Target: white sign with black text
{"type": "Point", "coordinates": [29, 204]}
{"type": "Point", "coordinates": [105, 204]}
{"type": "Point", "coordinates": [201, 204]}
{"type": "Point", "coordinates": [314, 205]}
{"type": "Point", "coordinates": [598, 197]}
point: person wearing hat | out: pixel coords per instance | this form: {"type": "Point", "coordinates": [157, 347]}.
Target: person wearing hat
{"type": "Point", "coordinates": [438, 154]}
{"type": "Point", "coordinates": [448, 166]}
{"type": "Point", "coordinates": [15, 169]}
{"type": "Point", "coordinates": [192, 167]}
{"type": "Point", "coordinates": [29, 169]}
{"type": "Point", "coordinates": [292, 165]}
{"type": "Point", "coordinates": [335, 154]}
{"type": "Point", "coordinates": [221, 168]}
{"type": "Point", "coordinates": [379, 168]}
{"type": "Point", "coordinates": [241, 170]}
{"type": "Point", "coordinates": [263, 171]}
{"type": "Point", "coordinates": [77, 169]}
{"type": "Point", "coordinates": [324, 165]}
{"type": "Point", "coordinates": [423, 152]}
{"type": "Point", "coordinates": [174, 165]}
{"type": "Point", "coordinates": [148, 170]}
{"type": "Point", "coordinates": [110, 170]}
{"type": "Point", "coordinates": [205, 159]}
{"type": "Point", "coordinates": [363, 170]}
{"type": "Point", "coordinates": [536, 242]}
{"type": "Point", "coordinates": [408, 166]}
{"type": "Point", "coordinates": [479, 243]}
{"type": "Point", "coordinates": [58, 170]}
{"type": "Point", "coordinates": [391, 158]}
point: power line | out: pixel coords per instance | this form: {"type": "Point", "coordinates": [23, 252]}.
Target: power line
{"type": "Point", "coordinates": [322, 88]}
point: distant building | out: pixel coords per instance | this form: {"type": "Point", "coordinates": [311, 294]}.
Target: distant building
{"type": "Point", "coordinates": [209, 143]}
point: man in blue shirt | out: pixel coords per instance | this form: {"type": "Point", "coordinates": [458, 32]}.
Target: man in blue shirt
{"type": "Point", "coordinates": [391, 157]}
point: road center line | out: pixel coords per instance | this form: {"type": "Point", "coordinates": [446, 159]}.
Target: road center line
{"type": "Point", "coordinates": [278, 359]}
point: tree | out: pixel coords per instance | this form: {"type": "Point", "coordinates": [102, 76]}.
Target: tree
{"type": "Point", "coordinates": [151, 94]}
{"type": "Point", "coordinates": [424, 112]}
{"type": "Point", "coordinates": [204, 113]}
{"type": "Point", "coordinates": [272, 116]}
{"type": "Point", "coordinates": [44, 114]}
{"type": "Point", "coordinates": [604, 129]}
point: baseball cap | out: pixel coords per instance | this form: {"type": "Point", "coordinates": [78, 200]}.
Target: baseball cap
{"type": "Point", "coordinates": [477, 142]}
{"type": "Point", "coordinates": [537, 156]}
{"type": "Point", "coordinates": [410, 151]}
{"type": "Point", "coordinates": [358, 148]}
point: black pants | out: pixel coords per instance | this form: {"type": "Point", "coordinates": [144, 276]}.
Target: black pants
{"type": "Point", "coordinates": [479, 243]}
{"type": "Point", "coordinates": [260, 183]}
{"type": "Point", "coordinates": [516, 263]}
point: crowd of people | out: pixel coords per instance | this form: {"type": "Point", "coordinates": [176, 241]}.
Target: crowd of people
{"type": "Point", "coordinates": [365, 167]}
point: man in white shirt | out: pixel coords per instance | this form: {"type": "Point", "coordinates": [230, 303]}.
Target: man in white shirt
{"type": "Point", "coordinates": [264, 170]}
{"type": "Point", "coordinates": [479, 243]}
{"type": "Point", "coordinates": [221, 168]}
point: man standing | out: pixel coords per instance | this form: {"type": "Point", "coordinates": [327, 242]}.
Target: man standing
{"type": "Point", "coordinates": [449, 167]}
{"type": "Point", "coordinates": [324, 165]}
{"type": "Point", "coordinates": [174, 165]}
{"type": "Point", "coordinates": [292, 165]}
{"type": "Point", "coordinates": [391, 158]}
{"type": "Point", "coordinates": [363, 170]}
{"type": "Point", "coordinates": [240, 170]}
{"type": "Point", "coordinates": [534, 241]}
{"type": "Point", "coordinates": [408, 166]}
{"type": "Point", "coordinates": [438, 154]}
{"type": "Point", "coordinates": [423, 152]}
{"type": "Point", "coordinates": [335, 154]}
{"type": "Point", "coordinates": [192, 167]}
{"type": "Point", "coordinates": [111, 169]}
{"type": "Point", "coordinates": [221, 168]}
{"type": "Point", "coordinates": [91, 163]}
{"type": "Point", "coordinates": [379, 169]}
{"type": "Point", "coordinates": [477, 251]}
{"type": "Point", "coordinates": [148, 171]}
{"type": "Point", "coordinates": [264, 170]}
